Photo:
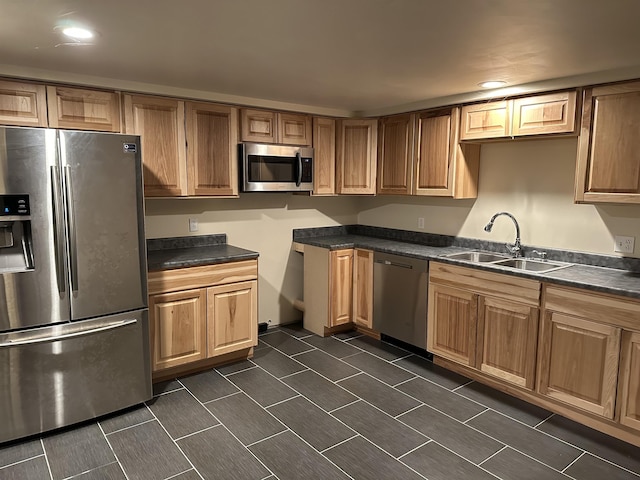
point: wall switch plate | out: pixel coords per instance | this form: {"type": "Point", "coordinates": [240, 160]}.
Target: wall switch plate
{"type": "Point", "coordinates": [193, 224]}
{"type": "Point", "coordinates": [624, 244]}
{"type": "Point", "coordinates": [420, 222]}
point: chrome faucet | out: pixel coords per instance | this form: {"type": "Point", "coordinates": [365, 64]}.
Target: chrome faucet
{"type": "Point", "coordinates": [516, 248]}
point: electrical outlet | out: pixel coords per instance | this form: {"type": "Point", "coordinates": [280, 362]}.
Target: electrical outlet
{"type": "Point", "coordinates": [193, 224]}
{"type": "Point", "coordinates": [624, 244]}
{"type": "Point", "coordinates": [420, 222]}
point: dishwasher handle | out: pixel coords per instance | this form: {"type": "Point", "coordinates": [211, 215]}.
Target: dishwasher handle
{"type": "Point", "coordinates": [394, 264]}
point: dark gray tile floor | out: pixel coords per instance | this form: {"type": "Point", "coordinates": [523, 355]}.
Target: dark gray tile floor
{"type": "Point", "coordinates": [322, 408]}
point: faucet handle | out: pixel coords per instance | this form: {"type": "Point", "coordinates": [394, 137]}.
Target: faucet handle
{"type": "Point", "coordinates": [541, 254]}
{"type": "Point", "coordinates": [514, 249]}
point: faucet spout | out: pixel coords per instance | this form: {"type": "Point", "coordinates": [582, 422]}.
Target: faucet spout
{"type": "Point", "coordinates": [516, 248]}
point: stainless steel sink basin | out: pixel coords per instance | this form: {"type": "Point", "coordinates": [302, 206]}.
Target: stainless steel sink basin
{"type": "Point", "coordinates": [530, 265]}
{"type": "Point", "coordinates": [477, 257]}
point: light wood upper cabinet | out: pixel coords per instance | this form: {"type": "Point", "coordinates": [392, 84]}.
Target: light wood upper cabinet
{"type": "Point", "coordinates": [160, 124]}
{"type": "Point", "coordinates": [178, 328]}
{"type": "Point", "coordinates": [507, 340]}
{"type": "Point", "coordinates": [265, 126]}
{"type": "Point", "coordinates": [629, 380]}
{"type": "Point", "coordinates": [395, 154]}
{"type": "Point", "coordinates": [324, 156]}
{"type": "Point", "coordinates": [340, 287]}
{"type": "Point", "coordinates": [212, 149]}
{"type": "Point", "coordinates": [452, 325]}
{"type": "Point", "coordinates": [363, 288]}
{"type": "Point", "coordinates": [444, 166]}
{"type": "Point", "coordinates": [356, 156]}
{"type": "Point", "coordinates": [257, 126]}
{"type": "Point", "coordinates": [83, 109]}
{"type": "Point", "coordinates": [486, 120]}
{"type": "Point", "coordinates": [553, 113]}
{"type": "Point", "coordinates": [232, 322]}
{"type": "Point", "coordinates": [543, 114]}
{"type": "Point", "coordinates": [23, 104]}
{"type": "Point", "coordinates": [293, 128]}
{"type": "Point", "coordinates": [608, 163]}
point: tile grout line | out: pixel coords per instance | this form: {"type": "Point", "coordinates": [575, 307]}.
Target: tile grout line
{"type": "Point", "coordinates": [239, 371]}
{"type": "Point", "coordinates": [342, 379]}
{"type": "Point", "coordinates": [321, 452]}
{"type": "Point", "coordinates": [178, 474]}
{"type": "Point", "coordinates": [421, 404]}
{"type": "Point", "coordinates": [578, 458]}
{"type": "Point", "coordinates": [78, 475]}
{"type": "Point", "coordinates": [292, 374]}
{"type": "Point", "coordinates": [416, 448]}
{"type": "Point", "coordinates": [221, 398]}
{"type": "Point", "coordinates": [493, 454]}
{"type": "Point", "coordinates": [467, 460]}
{"type": "Point", "coordinates": [267, 407]}
{"type": "Point", "coordinates": [461, 386]}
{"type": "Point", "coordinates": [112, 450]}
{"type": "Point", "coordinates": [611, 462]}
{"type": "Point", "coordinates": [131, 426]}
{"type": "Point", "coordinates": [404, 381]}
{"type": "Point", "coordinates": [195, 433]}
{"type": "Point", "coordinates": [540, 423]}
{"type": "Point", "coordinates": [46, 459]}
{"type": "Point", "coordinates": [476, 415]}
{"type": "Point", "coordinates": [24, 460]}
{"type": "Point", "coordinates": [249, 445]}
{"type": "Point", "coordinates": [330, 412]}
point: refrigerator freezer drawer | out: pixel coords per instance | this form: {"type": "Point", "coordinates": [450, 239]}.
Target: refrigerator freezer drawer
{"type": "Point", "coordinates": [56, 376]}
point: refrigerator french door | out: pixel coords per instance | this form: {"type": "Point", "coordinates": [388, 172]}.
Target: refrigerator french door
{"type": "Point", "coordinates": [73, 298]}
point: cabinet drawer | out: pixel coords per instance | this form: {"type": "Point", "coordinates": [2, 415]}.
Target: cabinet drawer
{"type": "Point", "coordinates": [507, 287]}
{"type": "Point", "coordinates": [596, 306]}
{"type": "Point", "coordinates": [163, 281]}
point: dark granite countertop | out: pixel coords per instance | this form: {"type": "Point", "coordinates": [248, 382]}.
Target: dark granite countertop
{"type": "Point", "coordinates": [618, 281]}
{"type": "Point", "coordinates": [182, 252]}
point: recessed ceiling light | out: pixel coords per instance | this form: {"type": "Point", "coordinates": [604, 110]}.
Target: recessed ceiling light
{"type": "Point", "coordinates": [77, 32]}
{"type": "Point", "coordinates": [492, 84]}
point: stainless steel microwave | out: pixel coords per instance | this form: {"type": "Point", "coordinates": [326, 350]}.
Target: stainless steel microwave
{"type": "Point", "coordinates": [275, 168]}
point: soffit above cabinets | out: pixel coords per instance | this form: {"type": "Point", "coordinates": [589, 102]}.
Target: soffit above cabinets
{"type": "Point", "coordinates": [324, 56]}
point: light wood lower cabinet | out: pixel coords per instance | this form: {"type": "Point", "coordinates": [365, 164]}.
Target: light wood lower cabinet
{"type": "Point", "coordinates": [201, 313]}
{"type": "Point", "coordinates": [484, 320]}
{"type": "Point", "coordinates": [363, 288]}
{"type": "Point", "coordinates": [338, 289]}
{"type": "Point", "coordinates": [629, 380]}
{"type": "Point", "coordinates": [579, 362]}
{"type": "Point", "coordinates": [231, 316]}
{"type": "Point", "coordinates": [340, 281]}
{"type": "Point", "coordinates": [178, 328]}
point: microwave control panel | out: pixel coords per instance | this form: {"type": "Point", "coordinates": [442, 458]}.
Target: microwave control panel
{"type": "Point", "coordinates": [307, 169]}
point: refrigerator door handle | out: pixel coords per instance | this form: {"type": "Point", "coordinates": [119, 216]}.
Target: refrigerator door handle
{"type": "Point", "coordinates": [58, 232]}
{"type": "Point", "coordinates": [17, 339]}
{"type": "Point", "coordinates": [73, 242]}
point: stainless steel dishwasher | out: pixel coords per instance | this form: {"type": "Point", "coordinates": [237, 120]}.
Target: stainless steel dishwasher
{"type": "Point", "coordinates": [400, 297]}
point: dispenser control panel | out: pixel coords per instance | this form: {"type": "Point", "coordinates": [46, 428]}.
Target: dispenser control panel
{"type": "Point", "coordinates": [14, 205]}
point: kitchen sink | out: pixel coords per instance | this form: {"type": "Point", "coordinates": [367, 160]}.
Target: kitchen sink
{"type": "Point", "coordinates": [530, 265]}
{"type": "Point", "coordinates": [477, 257]}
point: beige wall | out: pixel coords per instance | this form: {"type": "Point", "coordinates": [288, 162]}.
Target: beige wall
{"type": "Point", "coordinates": [261, 222]}
{"type": "Point", "coordinates": [532, 180]}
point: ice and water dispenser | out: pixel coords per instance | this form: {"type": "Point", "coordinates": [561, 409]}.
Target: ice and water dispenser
{"type": "Point", "coordinates": [16, 254]}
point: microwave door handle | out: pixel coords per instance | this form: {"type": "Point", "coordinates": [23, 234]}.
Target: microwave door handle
{"type": "Point", "coordinates": [299, 179]}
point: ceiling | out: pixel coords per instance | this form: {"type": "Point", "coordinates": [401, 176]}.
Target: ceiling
{"type": "Point", "coordinates": [367, 56]}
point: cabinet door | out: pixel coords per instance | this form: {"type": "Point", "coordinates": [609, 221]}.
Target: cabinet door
{"type": "Point", "coordinates": [444, 167]}
{"type": "Point", "coordinates": [257, 126]}
{"type": "Point", "coordinates": [507, 340]}
{"type": "Point", "coordinates": [212, 152]}
{"type": "Point", "coordinates": [542, 114]}
{"type": "Point", "coordinates": [81, 109]}
{"type": "Point", "coordinates": [340, 286]}
{"type": "Point", "coordinates": [232, 317]}
{"type": "Point", "coordinates": [324, 156]}
{"type": "Point", "coordinates": [629, 391]}
{"type": "Point", "coordinates": [160, 124]}
{"type": "Point", "coordinates": [486, 120]}
{"type": "Point", "coordinates": [23, 104]}
{"type": "Point", "coordinates": [356, 156]}
{"type": "Point", "coordinates": [579, 362]}
{"type": "Point", "coordinates": [294, 129]}
{"type": "Point", "coordinates": [452, 324]}
{"type": "Point", "coordinates": [178, 323]}
{"type": "Point", "coordinates": [363, 288]}
{"type": "Point", "coordinates": [395, 154]}
{"type": "Point", "coordinates": [608, 166]}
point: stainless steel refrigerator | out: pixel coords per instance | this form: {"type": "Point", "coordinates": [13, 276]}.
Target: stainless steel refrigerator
{"type": "Point", "coordinates": [74, 340]}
